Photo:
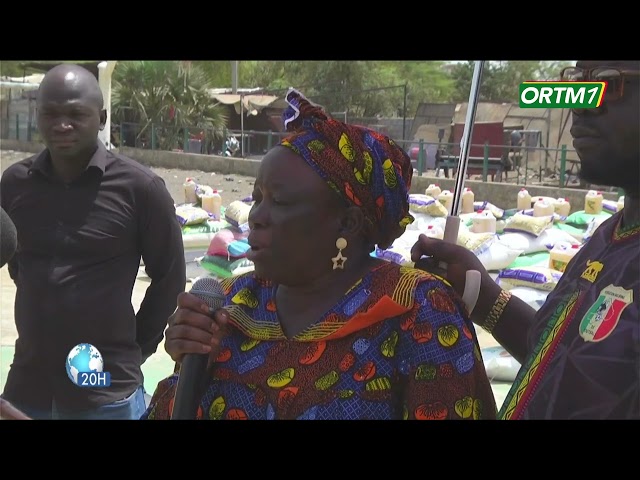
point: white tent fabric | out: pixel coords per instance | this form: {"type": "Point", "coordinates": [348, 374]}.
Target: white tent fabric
{"type": "Point", "coordinates": [105, 71]}
{"type": "Point", "coordinates": [251, 104]}
{"type": "Point", "coordinates": [29, 82]}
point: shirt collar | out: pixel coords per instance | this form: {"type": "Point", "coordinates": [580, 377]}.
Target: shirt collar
{"type": "Point", "coordinates": [42, 162]}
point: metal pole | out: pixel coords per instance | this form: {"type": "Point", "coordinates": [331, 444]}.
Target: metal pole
{"type": "Point", "coordinates": [563, 165]}
{"type": "Point", "coordinates": [473, 279]}
{"type": "Point", "coordinates": [242, 125]}
{"type": "Point", "coordinates": [404, 113]}
{"type": "Point", "coordinates": [234, 76]}
{"type": "Point", "coordinates": [465, 142]}
{"type": "Point", "coordinates": [546, 152]}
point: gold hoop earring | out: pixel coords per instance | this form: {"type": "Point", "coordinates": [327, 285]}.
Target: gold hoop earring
{"type": "Point", "coordinates": [339, 260]}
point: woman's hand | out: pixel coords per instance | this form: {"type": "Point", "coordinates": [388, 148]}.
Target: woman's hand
{"type": "Point", "coordinates": [459, 260]}
{"type": "Point", "coordinates": [195, 328]}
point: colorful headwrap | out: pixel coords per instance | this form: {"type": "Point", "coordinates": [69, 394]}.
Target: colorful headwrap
{"type": "Point", "coordinates": [364, 167]}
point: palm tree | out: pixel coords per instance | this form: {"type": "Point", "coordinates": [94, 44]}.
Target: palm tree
{"type": "Point", "coordinates": [168, 100]}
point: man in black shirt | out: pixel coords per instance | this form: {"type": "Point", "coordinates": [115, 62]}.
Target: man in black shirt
{"type": "Point", "coordinates": [85, 216]}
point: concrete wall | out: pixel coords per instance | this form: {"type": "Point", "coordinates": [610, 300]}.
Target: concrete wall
{"type": "Point", "coordinates": [193, 161]}
{"type": "Point", "coordinates": [502, 195]}
{"type": "Point", "coordinates": [21, 146]}
{"type": "Point", "coordinates": [162, 159]}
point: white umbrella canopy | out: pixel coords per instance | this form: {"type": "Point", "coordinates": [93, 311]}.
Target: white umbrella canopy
{"type": "Point", "coordinates": [105, 72]}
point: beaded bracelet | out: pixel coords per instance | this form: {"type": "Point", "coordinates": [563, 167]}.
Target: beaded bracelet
{"type": "Point", "coordinates": [496, 311]}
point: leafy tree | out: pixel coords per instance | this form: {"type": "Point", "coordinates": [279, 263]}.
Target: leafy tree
{"type": "Point", "coordinates": [171, 96]}
{"type": "Point", "coordinates": [12, 68]}
{"type": "Point", "coordinates": [550, 70]}
{"type": "Point", "coordinates": [426, 82]}
{"type": "Point", "coordinates": [274, 76]}
{"type": "Point", "coordinates": [501, 80]}
{"type": "Point", "coordinates": [363, 88]}
{"type": "Point", "coordinates": [149, 92]}
{"type": "Point", "coordinates": [218, 72]}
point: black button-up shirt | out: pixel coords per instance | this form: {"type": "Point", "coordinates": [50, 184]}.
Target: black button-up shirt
{"type": "Point", "coordinates": [79, 250]}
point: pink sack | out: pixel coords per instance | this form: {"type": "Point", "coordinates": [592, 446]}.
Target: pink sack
{"type": "Point", "coordinates": [220, 243]}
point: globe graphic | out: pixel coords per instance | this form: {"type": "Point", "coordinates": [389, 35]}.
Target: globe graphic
{"type": "Point", "coordinates": [84, 357]}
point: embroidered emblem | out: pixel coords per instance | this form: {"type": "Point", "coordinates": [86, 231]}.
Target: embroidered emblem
{"type": "Point", "coordinates": [592, 271]}
{"type": "Point", "coordinates": [603, 316]}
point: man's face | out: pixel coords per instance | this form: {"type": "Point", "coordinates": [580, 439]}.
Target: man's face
{"type": "Point", "coordinates": [607, 138]}
{"type": "Point", "coordinates": [69, 119]}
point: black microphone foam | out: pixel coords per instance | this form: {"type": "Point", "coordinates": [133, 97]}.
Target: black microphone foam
{"type": "Point", "coordinates": [8, 238]}
{"type": "Point", "coordinates": [194, 365]}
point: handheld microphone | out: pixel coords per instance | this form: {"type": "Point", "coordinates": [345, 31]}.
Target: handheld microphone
{"type": "Point", "coordinates": [194, 365]}
{"type": "Point", "coordinates": [8, 238]}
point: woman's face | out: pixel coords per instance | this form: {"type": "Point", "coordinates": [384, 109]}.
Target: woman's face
{"type": "Point", "coordinates": [295, 220]}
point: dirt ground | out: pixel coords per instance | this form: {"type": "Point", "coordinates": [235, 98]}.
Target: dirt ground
{"type": "Point", "coordinates": [231, 187]}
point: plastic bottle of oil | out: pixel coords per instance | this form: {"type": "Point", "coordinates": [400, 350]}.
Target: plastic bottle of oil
{"type": "Point", "coordinates": [563, 207]}
{"type": "Point", "coordinates": [190, 188]}
{"type": "Point", "coordinates": [560, 256]}
{"type": "Point", "coordinates": [524, 200]}
{"type": "Point", "coordinates": [446, 199]}
{"type": "Point", "coordinates": [483, 222]}
{"type": "Point", "coordinates": [593, 202]}
{"type": "Point", "coordinates": [542, 208]}
{"type": "Point", "coordinates": [467, 201]}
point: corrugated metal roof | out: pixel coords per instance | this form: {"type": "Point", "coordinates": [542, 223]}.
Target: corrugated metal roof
{"type": "Point", "coordinates": [431, 114]}
{"type": "Point", "coordinates": [553, 124]}
{"type": "Point", "coordinates": [485, 112]}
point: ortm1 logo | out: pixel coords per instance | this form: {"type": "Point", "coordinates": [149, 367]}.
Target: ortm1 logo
{"type": "Point", "coordinates": [562, 94]}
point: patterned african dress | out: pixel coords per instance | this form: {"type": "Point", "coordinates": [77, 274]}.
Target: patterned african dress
{"type": "Point", "coordinates": [396, 346]}
{"type": "Point", "coordinates": [586, 344]}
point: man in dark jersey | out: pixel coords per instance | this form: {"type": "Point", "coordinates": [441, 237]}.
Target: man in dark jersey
{"type": "Point", "coordinates": [580, 353]}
